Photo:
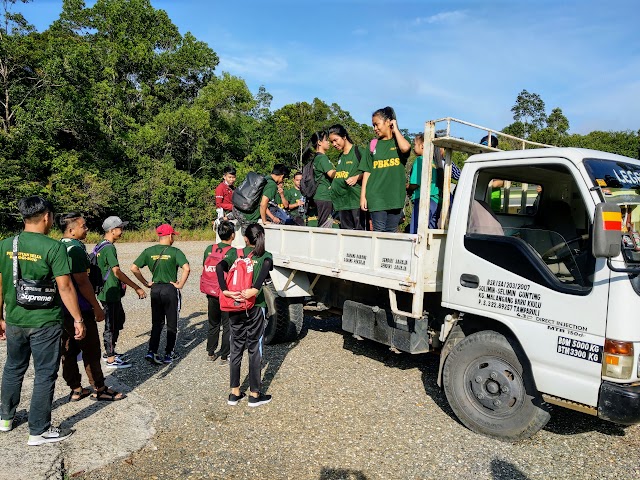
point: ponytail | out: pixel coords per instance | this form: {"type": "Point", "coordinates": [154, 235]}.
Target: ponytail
{"type": "Point", "coordinates": [386, 113]}
{"type": "Point", "coordinates": [310, 150]}
{"type": "Point", "coordinates": [255, 236]}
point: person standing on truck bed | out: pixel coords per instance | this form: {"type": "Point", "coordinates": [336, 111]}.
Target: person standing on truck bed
{"type": "Point", "coordinates": [324, 171]}
{"type": "Point", "coordinates": [247, 326]}
{"type": "Point", "coordinates": [345, 188]}
{"type": "Point", "coordinates": [384, 179]}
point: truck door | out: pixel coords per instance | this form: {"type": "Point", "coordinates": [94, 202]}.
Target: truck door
{"type": "Point", "coordinates": [519, 253]}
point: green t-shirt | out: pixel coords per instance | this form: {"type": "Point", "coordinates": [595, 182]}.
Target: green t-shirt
{"type": "Point", "coordinates": [416, 175]}
{"type": "Point", "coordinates": [322, 165]}
{"type": "Point", "coordinates": [207, 251]}
{"type": "Point", "coordinates": [343, 196]}
{"type": "Point", "coordinates": [293, 195]}
{"type": "Point", "coordinates": [257, 266]}
{"type": "Point", "coordinates": [78, 263]}
{"type": "Point", "coordinates": [386, 184]}
{"type": "Point", "coordinates": [166, 259]}
{"type": "Point", "coordinates": [107, 259]}
{"type": "Point", "coordinates": [40, 258]}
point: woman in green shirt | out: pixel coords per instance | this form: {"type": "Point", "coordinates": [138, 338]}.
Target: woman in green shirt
{"type": "Point", "coordinates": [345, 188]}
{"type": "Point", "coordinates": [323, 171]}
{"type": "Point", "coordinates": [384, 178]}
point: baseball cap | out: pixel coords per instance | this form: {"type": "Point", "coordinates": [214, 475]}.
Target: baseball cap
{"type": "Point", "coordinates": [113, 222]}
{"type": "Point", "coordinates": [165, 229]}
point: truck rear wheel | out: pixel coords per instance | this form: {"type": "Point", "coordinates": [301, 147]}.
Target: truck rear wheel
{"type": "Point", "coordinates": [284, 317]}
{"type": "Point", "coordinates": [490, 391]}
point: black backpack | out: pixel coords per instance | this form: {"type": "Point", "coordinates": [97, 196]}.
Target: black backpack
{"type": "Point", "coordinates": [246, 197]}
{"type": "Point", "coordinates": [308, 184]}
{"type": "Point", "coordinates": [95, 274]}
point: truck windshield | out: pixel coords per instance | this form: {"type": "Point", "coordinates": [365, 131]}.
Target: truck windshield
{"type": "Point", "coordinates": [620, 184]}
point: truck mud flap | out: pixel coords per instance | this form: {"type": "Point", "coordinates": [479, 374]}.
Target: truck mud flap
{"type": "Point", "coordinates": [375, 323]}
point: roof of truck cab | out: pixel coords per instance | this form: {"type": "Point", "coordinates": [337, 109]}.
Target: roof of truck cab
{"type": "Point", "coordinates": [575, 155]}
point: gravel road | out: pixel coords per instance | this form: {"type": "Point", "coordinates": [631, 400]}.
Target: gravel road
{"type": "Point", "coordinates": [341, 409]}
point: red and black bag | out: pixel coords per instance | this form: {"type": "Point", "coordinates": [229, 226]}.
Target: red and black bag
{"type": "Point", "coordinates": [240, 277]}
{"type": "Point", "coordinates": [209, 279]}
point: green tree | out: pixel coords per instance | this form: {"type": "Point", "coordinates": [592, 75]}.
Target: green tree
{"type": "Point", "coordinates": [529, 110]}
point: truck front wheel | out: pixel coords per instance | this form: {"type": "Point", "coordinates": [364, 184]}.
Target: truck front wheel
{"type": "Point", "coordinates": [490, 391]}
{"type": "Point", "coordinates": [284, 317]}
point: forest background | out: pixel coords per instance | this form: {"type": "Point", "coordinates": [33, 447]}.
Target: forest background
{"type": "Point", "coordinates": [112, 111]}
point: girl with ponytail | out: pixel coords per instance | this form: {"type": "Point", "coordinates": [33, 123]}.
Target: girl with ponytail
{"type": "Point", "coordinates": [247, 326]}
{"type": "Point", "coordinates": [323, 171]}
{"type": "Point", "coordinates": [384, 178]}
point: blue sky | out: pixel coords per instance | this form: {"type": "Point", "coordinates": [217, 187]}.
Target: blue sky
{"type": "Point", "coordinates": [427, 59]}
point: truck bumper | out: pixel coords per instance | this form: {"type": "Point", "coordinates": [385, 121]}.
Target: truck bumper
{"type": "Point", "coordinates": [619, 403]}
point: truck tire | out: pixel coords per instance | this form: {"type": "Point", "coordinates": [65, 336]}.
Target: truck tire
{"type": "Point", "coordinates": [490, 391]}
{"type": "Point", "coordinates": [284, 317]}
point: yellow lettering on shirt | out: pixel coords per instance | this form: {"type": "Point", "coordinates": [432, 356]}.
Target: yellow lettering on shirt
{"type": "Point", "coordinates": [30, 257]}
{"type": "Point", "coordinates": [390, 162]}
{"type": "Point", "coordinates": [163, 257]}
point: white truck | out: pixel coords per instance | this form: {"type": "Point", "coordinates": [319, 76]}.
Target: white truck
{"type": "Point", "coordinates": [529, 292]}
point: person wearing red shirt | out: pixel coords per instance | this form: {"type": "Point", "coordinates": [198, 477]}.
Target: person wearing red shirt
{"type": "Point", "coordinates": [224, 204]}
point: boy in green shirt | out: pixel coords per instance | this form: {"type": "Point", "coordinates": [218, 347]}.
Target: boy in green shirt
{"type": "Point", "coordinates": [74, 228]}
{"type": "Point", "coordinates": [112, 291]}
{"type": "Point", "coordinates": [163, 260]}
{"type": "Point", "coordinates": [296, 200]}
{"type": "Point", "coordinates": [35, 331]}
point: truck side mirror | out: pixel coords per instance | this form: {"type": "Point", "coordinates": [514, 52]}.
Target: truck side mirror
{"type": "Point", "coordinates": [607, 228]}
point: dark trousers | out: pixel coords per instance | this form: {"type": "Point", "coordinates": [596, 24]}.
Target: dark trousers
{"type": "Point", "coordinates": [216, 319]}
{"type": "Point", "coordinates": [247, 329]}
{"type": "Point", "coordinates": [352, 219]}
{"type": "Point", "coordinates": [325, 209]}
{"type": "Point", "coordinates": [44, 345]}
{"type": "Point", "coordinates": [113, 322]}
{"type": "Point", "coordinates": [90, 348]}
{"type": "Point", "coordinates": [386, 220]}
{"type": "Point", "coordinates": [165, 304]}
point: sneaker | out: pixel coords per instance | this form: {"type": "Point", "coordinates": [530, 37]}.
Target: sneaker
{"type": "Point", "coordinates": [234, 399]}
{"type": "Point", "coordinates": [121, 356]}
{"type": "Point", "coordinates": [158, 359]}
{"type": "Point", "coordinates": [6, 425]}
{"type": "Point", "coordinates": [149, 356]}
{"type": "Point", "coordinates": [224, 361]}
{"type": "Point", "coordinates": [170, 357]}
{"type": "Point", "coordinates": [118, 363]}
{"type": "Point", "coordinates": [52, 435]}
{"type": "Point", "coordinates": [261, 399]}
{"type": "Point", "coordinates": [212, 358]}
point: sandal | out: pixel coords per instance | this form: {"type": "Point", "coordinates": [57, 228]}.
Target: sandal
{"type": "Point", "coordinates": [76, 396]}
{"type": "Point", "coordinates": [107, 395]}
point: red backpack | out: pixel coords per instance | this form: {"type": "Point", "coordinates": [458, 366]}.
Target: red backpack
{"type": "Point", "coordinates": [240, 277]}
{"type": "Point", "coordinates": [209, 279]}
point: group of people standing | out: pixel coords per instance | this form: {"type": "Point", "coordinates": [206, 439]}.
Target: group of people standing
{"type": "Point", "coordinates": [365, 180]}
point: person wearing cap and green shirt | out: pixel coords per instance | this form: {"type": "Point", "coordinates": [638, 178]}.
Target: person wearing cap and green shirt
{"type": "Point", "coordinates": [163, 260]}
{"type": "Point", "coordinates": [113, 290]}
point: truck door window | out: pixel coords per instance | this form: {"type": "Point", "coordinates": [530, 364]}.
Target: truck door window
{"type": "Point", "coordinates": [532, 221]}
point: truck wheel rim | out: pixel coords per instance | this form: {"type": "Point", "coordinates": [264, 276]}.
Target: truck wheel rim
{"type": "Point", "coordinates": [494, 387]}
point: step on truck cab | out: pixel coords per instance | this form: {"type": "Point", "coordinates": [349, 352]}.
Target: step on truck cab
{"type": "Point", "coordinates": [528, 292]}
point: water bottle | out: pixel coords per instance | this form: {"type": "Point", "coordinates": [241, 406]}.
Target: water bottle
{"type": "Point", "coordinates": [301, 207]}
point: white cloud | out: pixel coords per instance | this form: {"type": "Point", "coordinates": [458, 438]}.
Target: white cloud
{"type": "Point", "coordinates": [254, 65]}
{"type": "Point", "coordinates": [454, 16]}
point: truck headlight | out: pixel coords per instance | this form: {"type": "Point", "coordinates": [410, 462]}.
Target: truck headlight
{"type": "Point", "coordinates": [617, 361]}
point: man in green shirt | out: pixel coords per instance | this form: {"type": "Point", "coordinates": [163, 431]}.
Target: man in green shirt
{"type": "Point", "coordinates": [113, 290]}
{"type": "Point", "coordinates": [273, 192]}
{"type": "Point", "coordinates": [163, 261]}
{"type": "Point", "coordinates": [35, 331]}
{"type": "Point", "coordinates": [74, 228]}
{"type": "Point", "coordinates": [296, 200]}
